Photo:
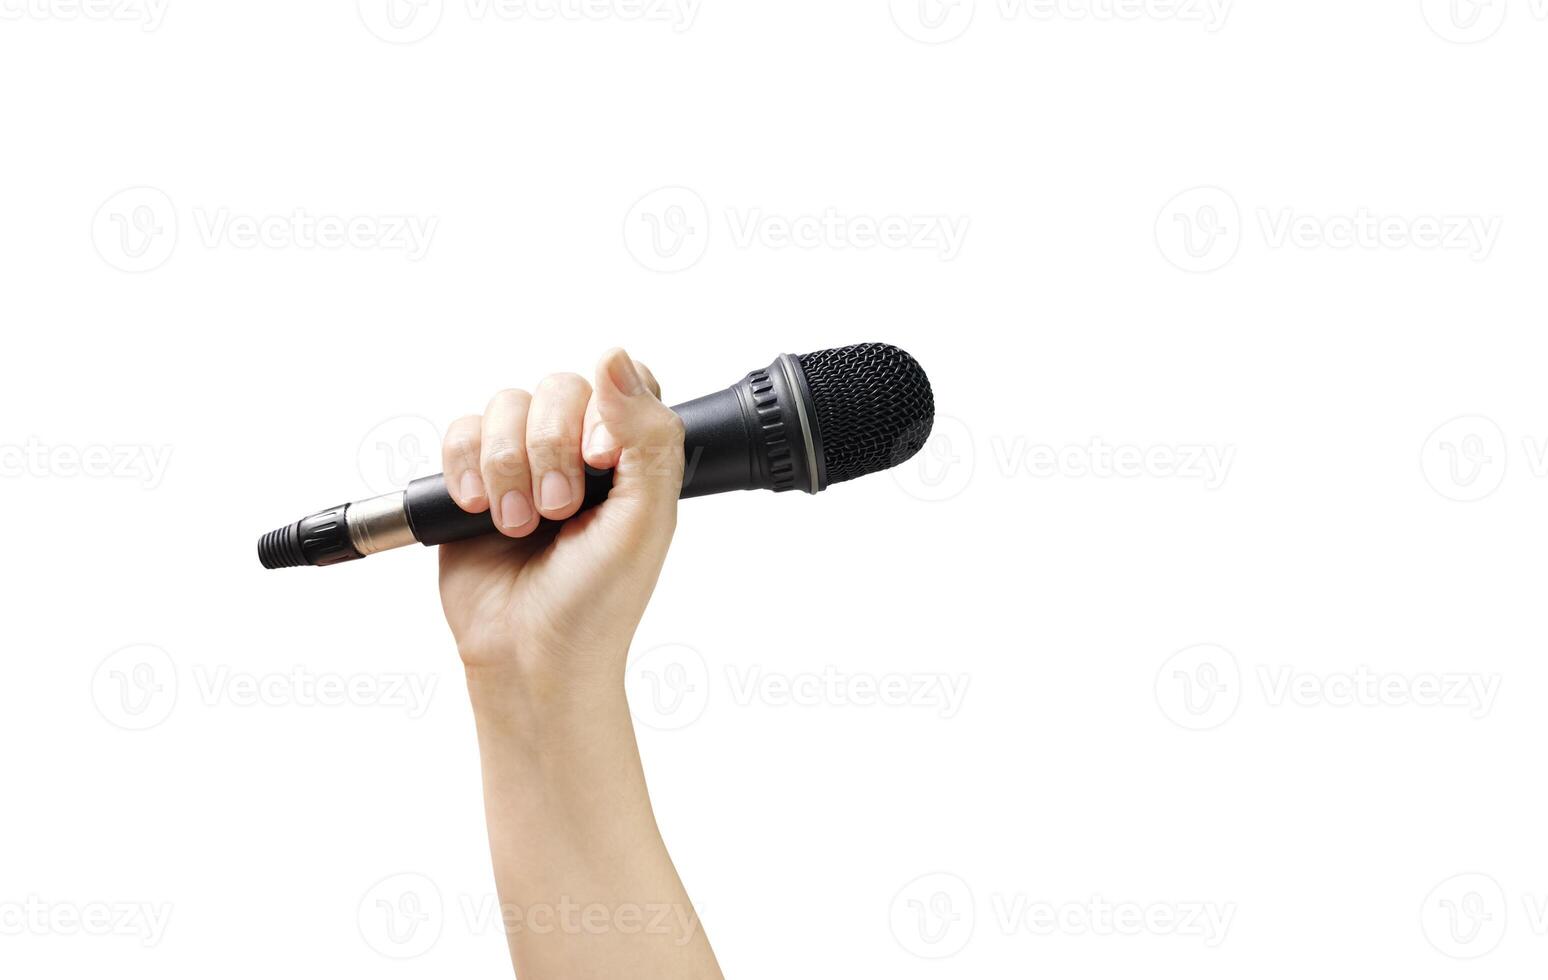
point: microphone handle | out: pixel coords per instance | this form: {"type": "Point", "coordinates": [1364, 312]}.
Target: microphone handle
{"type": "Point", "coordinates": [717, 448]}
{"type": "Point", "coordinates": [760, 433]}
{"type": "Point", "coordinates": [435, 518]}
{"type": "Point", "coordinates": [724, 447]}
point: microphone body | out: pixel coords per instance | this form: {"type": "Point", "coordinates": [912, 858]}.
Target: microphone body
{"type": "Point", "coordinates": [760, 433]}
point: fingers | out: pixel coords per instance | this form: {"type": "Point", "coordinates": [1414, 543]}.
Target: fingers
{"type": "Point", "coordinates": [460, 463]}
{"type": "Point", "coordinates": [554, 426]}
{"type": "Point", "coordinates": [640, 438]}
{"type": "Point", "coordinates": [600, 449]}
{"type": "Point", "coordinates": [649, 378]}
{"type": "Point", "coordinates": [523, 459]}
{"type": "Point", "coordinates": [503, 462]}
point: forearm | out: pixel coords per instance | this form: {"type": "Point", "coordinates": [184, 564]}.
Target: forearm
{"type": "Point", "coordinates": [585, 883]}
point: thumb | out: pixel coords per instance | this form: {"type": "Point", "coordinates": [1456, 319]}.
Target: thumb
{"type": "Point", "coordinates": [630, 430]}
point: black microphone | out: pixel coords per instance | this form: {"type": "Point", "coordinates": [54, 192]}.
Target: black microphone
{"type": "Point", "coordinates": [802, 423]}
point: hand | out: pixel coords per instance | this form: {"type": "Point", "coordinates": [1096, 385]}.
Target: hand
{"type": "Point", "coordinates": [543, 619]}
{"type": "Point", "coordinates": [554, 613]}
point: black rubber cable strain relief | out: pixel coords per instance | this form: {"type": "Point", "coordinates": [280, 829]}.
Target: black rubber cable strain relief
{"type": "Point", "coordinates": [282, 548]}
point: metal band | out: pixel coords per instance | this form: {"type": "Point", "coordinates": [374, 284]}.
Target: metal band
{"type": "Point", "coordinates": [379, 524]}
{"type": "Point", "coordinates": [791, 368]}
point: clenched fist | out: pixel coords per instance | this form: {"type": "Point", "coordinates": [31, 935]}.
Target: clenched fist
{"type": "Point", "coordinates": [552, 613]}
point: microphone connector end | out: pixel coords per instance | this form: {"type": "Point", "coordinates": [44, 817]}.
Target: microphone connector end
{"type": "Point", "coordinates": [281, 548]}
{"type": "Point", "coordinates": [321, 539]}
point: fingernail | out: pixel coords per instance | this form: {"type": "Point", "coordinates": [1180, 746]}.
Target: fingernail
{"type": "Point", "coordinates": [514, 510]}
{"type": "Point", "coordinates": [554, 491]}
{"type": "Point", "coordinates": [625, 376]}
{"type": "Point", "coordinates": [472, 487]}
{"type": "Point", "coordinates": [601, 442]}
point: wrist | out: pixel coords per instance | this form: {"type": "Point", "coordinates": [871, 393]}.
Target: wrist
{"type": "Point", "coordinates": [571, 738]}
{"type": "Point", "coordinates": [552, 699]}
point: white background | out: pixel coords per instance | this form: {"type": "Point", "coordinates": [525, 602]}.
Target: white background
{"type": "Point", "coordinates": [1298, 689]}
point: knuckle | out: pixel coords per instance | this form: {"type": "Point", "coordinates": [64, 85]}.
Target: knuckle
{"type": "Point", "coordinates": [664, 462]}
{"type": "Point", "coordinates": [551, 434]}
{"type": "Point", "coordinates": [667, 428]}
{"type": "Point", "coordinates": [563, 383]}
{"type": "Point", "coordinates": [561, 455]}
{"type": "Point", "coordinates": [553, 445]}
{"type": "Point", "coordinates": [460, 445]}
{"type": "Point", "coordinates": [511, 398]}
{"type": "Point", "coordinates": [650, 378]}
{"type": "Point", "coordinates": [504, 460]}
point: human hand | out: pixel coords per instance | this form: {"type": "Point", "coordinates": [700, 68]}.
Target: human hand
{"type": "Point", "coordinates": [543, 616]}
{"type": "Point", "coordinates": [552, 613]}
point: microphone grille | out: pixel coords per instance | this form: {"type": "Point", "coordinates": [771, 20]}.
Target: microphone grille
{"type": "Point", "coordinates": [874, 407]}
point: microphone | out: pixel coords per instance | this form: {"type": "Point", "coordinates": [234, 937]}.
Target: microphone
{"type": "Point", "coordinates": [803, 423]}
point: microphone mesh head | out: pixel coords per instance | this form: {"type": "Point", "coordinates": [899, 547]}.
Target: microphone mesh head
{"type": "Point", "coordinates": [874, 407]}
